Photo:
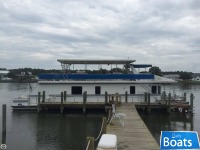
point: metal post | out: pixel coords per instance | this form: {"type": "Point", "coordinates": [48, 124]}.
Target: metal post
{"type": "Point", "coordinates": [84, 101]}
{"type": "Point", "coordinates": [39, 108]}
{"type": "Point", "coordinates": [126, 96]}
{"type": "Point", "coordinates": [4, 124]}
{"type": "Point", "coordinates": [43, 96]}
{"type": "Point", "coordinates": [149, 103]}
{"type": "Point", "coordinates": [61, 106]}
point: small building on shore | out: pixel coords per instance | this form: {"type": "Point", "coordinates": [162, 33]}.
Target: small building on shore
{"type": "Point", "coordinates": [3, 73]}
{"type": "Point", "coordinates": [175, 77]}
{"type": "Point", "coordinates": [196, 77]}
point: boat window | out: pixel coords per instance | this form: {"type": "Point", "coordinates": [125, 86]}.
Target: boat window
{"type": "Point", "coordinates": [76, 90]}
{"type": "Point", "coordinates": [97, 90]}
{"type": "Point", "coordinates": [132, 89]}
{"type": "Point", "coordinates": [154, 89]}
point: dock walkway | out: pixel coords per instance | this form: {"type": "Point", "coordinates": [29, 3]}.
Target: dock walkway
{"type": "Point", "coordinates": [134, 135]}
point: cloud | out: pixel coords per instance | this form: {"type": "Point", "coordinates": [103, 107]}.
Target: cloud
{"type": "Point", "coordinates": [165, 33]}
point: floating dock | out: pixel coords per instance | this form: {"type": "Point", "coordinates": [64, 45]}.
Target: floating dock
{"type": "Point", "coordinates": [62, 104]}
{"type": "Point", "coordinates": [47, 106]}
{"type": "Point", "coordinates": [135, 134]}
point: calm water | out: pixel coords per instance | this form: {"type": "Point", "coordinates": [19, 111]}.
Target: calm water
{"type": "Point", "coordinates": [45, 131]}
{"type": "Point", "coordinates": [55, 131]}
{"type": "Point", "coordinates": [157, 122]}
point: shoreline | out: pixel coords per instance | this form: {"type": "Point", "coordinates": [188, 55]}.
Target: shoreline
{"type": "Point", "coordinates": [189, 82]}
{"type": "Point", "coordinates": [18, 81]}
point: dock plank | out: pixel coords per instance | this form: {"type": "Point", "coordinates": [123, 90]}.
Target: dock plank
{"type": "Point", "coordinates": [135, 134]}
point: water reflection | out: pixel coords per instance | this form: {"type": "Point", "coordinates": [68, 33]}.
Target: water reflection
{"type": "Point", "coordinates": [44, 131]}
{"type": "Point", "coordinates": [157, 122]}
{"type": "Point", "coordinates": [67, 131]}
{"type": "Point", "coordinates": [17, 86]}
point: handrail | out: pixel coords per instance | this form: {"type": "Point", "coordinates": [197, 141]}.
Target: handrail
{"type": "Point", "coordinates": [93, 98]}
{"type": "Point", "coordinates": [101, 95]}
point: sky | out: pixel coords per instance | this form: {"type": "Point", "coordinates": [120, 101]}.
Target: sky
{"type": "Point", "coordinates": [164, 33]}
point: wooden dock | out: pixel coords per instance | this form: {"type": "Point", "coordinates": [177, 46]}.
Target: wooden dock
{"type": "Point", "coordinates": [135, 134]}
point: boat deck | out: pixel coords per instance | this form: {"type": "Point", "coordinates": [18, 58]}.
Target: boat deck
{"type": "Point", "coordinates": [135, 134]}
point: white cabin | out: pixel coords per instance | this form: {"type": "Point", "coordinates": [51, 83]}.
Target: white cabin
{"type": "Point", "coordinates": [96, 85]}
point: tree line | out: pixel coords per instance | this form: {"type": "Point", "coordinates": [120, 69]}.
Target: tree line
{"type": "Point", "coordinates": [184, 75]}
{"type": "Point", "coordinates": [15, 73]}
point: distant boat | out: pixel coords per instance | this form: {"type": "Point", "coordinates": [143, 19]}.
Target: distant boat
{"type": "Point", "coordinates": [21, 99]}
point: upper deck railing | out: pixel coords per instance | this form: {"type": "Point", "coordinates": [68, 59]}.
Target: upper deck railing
{"type": "Point", "coordinates": [95, 76]}
{"type": "Point", "coordinates": [127, 64]}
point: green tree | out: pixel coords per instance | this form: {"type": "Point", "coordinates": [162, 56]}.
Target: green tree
{"type": "Point", "coordinates": [155, 70]}
{"type": "Point", "coordinates": [11, 74]}
{"type": "Point", "coordinates": [186, 75]}
{"type": "Point", "coordinates": [117, 70]}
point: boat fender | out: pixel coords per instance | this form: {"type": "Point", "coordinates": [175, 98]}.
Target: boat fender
{"type": "Point", "coordinates": [180, 109]}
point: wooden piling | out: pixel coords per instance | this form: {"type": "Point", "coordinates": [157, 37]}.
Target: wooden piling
{"type": "Point", "coordinates": [149, 103]}
{"type": "Point", "coordinates": [184, 96]}
{"type": "Point", "coordinates": [4, 124]}
{"type": "Point", "coordinates": [169, 103]}
{"type": "Point", "coordinates": [145, 97]}
{"type": "Point", "coordinates": [109, 114]}
{"type": "Point", "coordinates": [191, 102]}
{"type": "Point", "coordinates": [112, 98]}
{"type": "Point", "coordinates": [84, 101]}
{"type": "Point", "coordinates": [38, 107]}
{"type": "Point", "coordinates": [163, 96]}
{"type": "Point", "coordinates": [43, 96]}
{"type": "Point", "coordinates": [117, 98]}
{"type": "Point", "coordinates": [191, 124]}
{"type": "Point", "coordinates": [126, 96]}
{"type": "Point", "coordinates": [90, 142]}
{"type": "Point", "coordinates": [104, 120]}
{"type": "Point", "coordinates": [106, 97]}
{"type": "Point", "coordinates": [65, 96]}
{"type": "Point", "coordinates": [61, 104]}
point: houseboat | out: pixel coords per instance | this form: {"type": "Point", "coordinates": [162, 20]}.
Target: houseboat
{"type": "Point", "coordinates": [127, 82]}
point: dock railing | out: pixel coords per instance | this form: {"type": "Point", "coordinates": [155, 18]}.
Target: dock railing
{"type": "Point", "coordinates": [91, 98]}
{"type": "Point", "coordinates": [146, 101]}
